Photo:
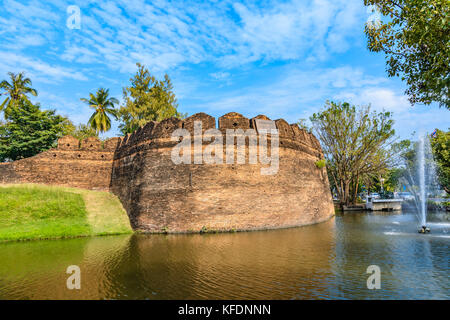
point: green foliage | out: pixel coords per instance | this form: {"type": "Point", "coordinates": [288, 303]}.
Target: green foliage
{"type": "Point", "coordinates": [321, 163]}
{"type": "Point", "coordinates": [82, 132]}
{"type": "Point", "coordinates": [356, 144]}
{"type": "Point", "coordinates": [403, 156]}
{"type": "Point", "coordinates": [67, 127]}
{"type": "Point", "coordinates": [392, 179]}
{"type": "Point", "coordinates": [147, 99]}
{"type": "Point", "coordinates": [404, 152]}
{"type": "Point", "coordinates": [386, 194]}
{"type": "Point", "coordinates": [165, 230]}
{"type": "Point", "coordinates": [29, 131]}
{"type": "Point", "coordinates": [15, 91]}
{"type": "Point", "coordinates": [441, 151]}
{"type": "Point", "coordinates": [104, 107]}
{"type": "Point", "coordinates": [415, 39]}
{"type": "Point", "coordinates": [302, 123]}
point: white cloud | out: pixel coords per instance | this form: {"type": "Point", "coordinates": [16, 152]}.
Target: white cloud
{"type": "Point", "coordinates": [238, 39]}
{"type": "Point", "coordinates": [292, 92]}
{"type": "Point", "coordinates": [408, 118]}
{"type": "Point", "coordinates": [37, 69]}
{"type": "Point", "coordinates": [380, 98]}
{"type": "Point", "coordinates": [220, 75]}
{"type": "Point", "coordinates": [166, 34]}
{"type": "Point", "coordinates": [297, 93]}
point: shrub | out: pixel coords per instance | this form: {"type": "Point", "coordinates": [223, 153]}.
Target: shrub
{"type": "Point", "coordinates": [321, 163]}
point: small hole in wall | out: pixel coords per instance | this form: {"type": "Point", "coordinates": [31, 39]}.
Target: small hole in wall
{"type": "Point", "coordinates": [91, 145]}
{"type": "Point", "coordinates": [167, 127]}
{"type": "Point", "coordinates": [235, 124]}
{"type": "Point", "coordinates": [103, 156]}
{"type": "Point", "coordinates": [54, 156]}
{"type": "Point", "coordinates": [68, 145]}
{"type": "Point", "coordinates": [79, 156]}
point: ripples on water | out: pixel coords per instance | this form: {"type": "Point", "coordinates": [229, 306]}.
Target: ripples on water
{"type": "Point", "coordinates": [323, 261]}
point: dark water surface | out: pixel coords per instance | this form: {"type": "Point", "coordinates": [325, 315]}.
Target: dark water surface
{"type": "Point", "coordinates": [324, 261]}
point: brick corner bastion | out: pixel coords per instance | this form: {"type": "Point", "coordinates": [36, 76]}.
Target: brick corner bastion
{"type": "Point", "coordinates": [162, 196]}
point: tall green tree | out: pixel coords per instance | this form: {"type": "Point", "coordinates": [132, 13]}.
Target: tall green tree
{"type": "Point", "coordinates": [441, 152]}
{"type": "Point", "coordinates": [356, 143]}
{"type": "Point", "coordinates": [15, 90]}
{"type": "Point", "coordinates": [29, 131]}
{"type": "Point", "coordinates": [147, 99]}
{"type": "Point", "coordinates": [415, 38]}
{"type": "Point", "coordinates": [103, 105]}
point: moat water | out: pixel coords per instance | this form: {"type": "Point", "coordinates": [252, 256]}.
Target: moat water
{"type": "Point", "coordinates": [324, 261]}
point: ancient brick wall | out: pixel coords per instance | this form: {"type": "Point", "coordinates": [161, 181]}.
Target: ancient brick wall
{"type": "Point", "coordinates": [85, 165]}
{"type": "Point", "coordinates": [161, 196]}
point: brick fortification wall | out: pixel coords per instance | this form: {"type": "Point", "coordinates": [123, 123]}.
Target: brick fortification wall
{"type": "Point", "coordinates": [84, 165]}
{"type": "Point", "coordinates": [160, 196]}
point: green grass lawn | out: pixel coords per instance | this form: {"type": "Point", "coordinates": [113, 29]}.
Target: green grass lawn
{"type": "Point", "coordinates": [45, 212]}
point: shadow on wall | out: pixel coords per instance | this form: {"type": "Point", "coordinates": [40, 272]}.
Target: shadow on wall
{"type": "Point", "coordinates": [160, 196]}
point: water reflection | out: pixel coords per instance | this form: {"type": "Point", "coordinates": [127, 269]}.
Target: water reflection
{"type": "Point", "coordinates": [323, 261]}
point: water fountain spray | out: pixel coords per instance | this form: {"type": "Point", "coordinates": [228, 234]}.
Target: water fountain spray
{"type": "Point", "coordinates": [420, 180]}
{"type": "Point", "coordinates": [422, 185]}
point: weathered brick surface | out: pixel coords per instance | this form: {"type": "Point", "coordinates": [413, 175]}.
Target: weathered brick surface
{"type": "Point", "coordinates": [91, 144]}
{"type": "Point", "coordinates": [165, 128]}
{"type": "Point", "coordinates": [252, 120]}
{"type": "Point", "coordinates": [8, 173]}
{"type": "Point", "coordinates": [147, 130]}
{"type": "Point", "coordinates": [284, 129]}
{"type": "Point", "coordinates": [207, 121]}
{"type": "Point", "coordinates": [88, 166]}
{"type": "Point", "coordinates": [68, 143]}
{"type": "Point", "coordinates": [111, 144]}
{"type": "Point", "coordinates": [161, 196]}
{"type": "Point", "coordinates": [233, 120]}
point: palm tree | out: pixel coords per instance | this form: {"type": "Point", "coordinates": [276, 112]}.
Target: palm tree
{"type": "Point", "coordinates": [104, 106]}
{"type": "Point", "coordinates": [15, 91]}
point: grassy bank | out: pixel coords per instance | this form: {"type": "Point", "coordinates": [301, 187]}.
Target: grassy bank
{"type": "Point", "coordinates": [46, 212]}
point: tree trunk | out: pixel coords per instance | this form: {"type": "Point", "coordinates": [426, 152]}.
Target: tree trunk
{"type": "Point", "coordinates": [355, 190]}
{"type": "Point", "coordinates": [346, 192]}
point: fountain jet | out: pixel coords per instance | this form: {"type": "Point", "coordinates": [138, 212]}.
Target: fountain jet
{"type": "Point", "coordinates": [424, 229]}
{"type": "Point", "coordinates": [421, 180]}
{"type": "Point", "coordinates": [422, 185]}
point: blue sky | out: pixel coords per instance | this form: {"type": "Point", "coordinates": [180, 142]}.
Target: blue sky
{"type": "Point", "coordinates": [283, 59]}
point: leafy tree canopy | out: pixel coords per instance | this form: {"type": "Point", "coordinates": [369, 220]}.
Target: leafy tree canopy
{"type": "Point", "coordinates": [82, 132]}
{"type": "Point", "coordinates": [415, 39]}
{"type": "Point", "coordinates": [103, 105]}
{"type": "Point", "coordinates": [441, 151]}
{"type": "Point", "coordinates": [15, 90]}
{"type": "Point", "coordinates": [356, 143]}
{"type": "Point", "coordinates": [147, 99]}
{"type": "Point", "coordinates": [29, 131]}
